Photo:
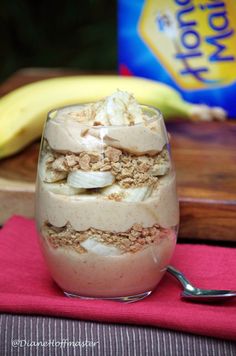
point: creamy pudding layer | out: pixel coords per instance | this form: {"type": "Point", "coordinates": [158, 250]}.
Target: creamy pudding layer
{"type": "Point", "coordinates": [93, 274]}
{"type": "Point", "coordinates": [62, 136]}
{"type": "Point", "coordinates": [86, 210]}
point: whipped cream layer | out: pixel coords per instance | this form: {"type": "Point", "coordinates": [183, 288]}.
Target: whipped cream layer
{"type": "Point", "coordinates": [80, 128]}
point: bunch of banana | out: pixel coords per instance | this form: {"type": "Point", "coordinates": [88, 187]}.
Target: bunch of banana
{"type": "Point", "coordinates": [23, 111]}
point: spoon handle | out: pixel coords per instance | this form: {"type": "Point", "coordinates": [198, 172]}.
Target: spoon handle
{"type": "Point", "coordinates": [180, 277]}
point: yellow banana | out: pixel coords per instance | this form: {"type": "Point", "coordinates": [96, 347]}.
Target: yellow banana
{"type": "Point", "coordinates": [23, 111]}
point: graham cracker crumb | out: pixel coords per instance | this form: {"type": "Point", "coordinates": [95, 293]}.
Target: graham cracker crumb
{"type": "Point", "coordinates": [132, 240]}
{"type": "Point", "coordinates": [115, 196]}
{"type": "Point", "coordinates": [113, 154]}
{"type": "Point", "coordinates": [71, 160]}
{"type": "Point", "coordinates": [84, 132]}
{"type": "Point", "coordinates": [59, 164]}
{"type": "Point", "coordinates": [130, 171]}
{"type": "Point", "coordinates": [84, 162]}
{"type": "Point", "coordinates": [106, 167]}
{"type": "Point", "coordinates": [94, 157]}
{"type": "Point", "coordinates": [137, 227]}
{"type": "Point", "coordinates": [97, 123]}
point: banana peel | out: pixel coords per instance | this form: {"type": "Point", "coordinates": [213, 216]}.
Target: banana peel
{"type": "Point", "coordinates": [23, 111]}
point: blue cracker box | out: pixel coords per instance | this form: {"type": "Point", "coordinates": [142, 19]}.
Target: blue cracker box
{"type": "Point", "coordinates": [188, 44]}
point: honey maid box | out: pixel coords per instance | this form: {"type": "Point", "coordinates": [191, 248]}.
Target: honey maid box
{"type": "Point", "coordinates": [188, 44]}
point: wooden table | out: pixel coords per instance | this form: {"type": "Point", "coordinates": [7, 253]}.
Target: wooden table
{"type": "Point", "coordinates": [204, 155]}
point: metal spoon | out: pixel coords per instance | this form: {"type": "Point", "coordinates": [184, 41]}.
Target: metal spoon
{"type": "Point", "coordinates": [200, 295]}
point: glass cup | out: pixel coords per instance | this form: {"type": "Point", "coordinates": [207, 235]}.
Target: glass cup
{"type": "Point", "coordinates": [106, 205]}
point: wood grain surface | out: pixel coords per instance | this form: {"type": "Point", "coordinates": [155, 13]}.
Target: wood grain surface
{"type": "Point", "coordinates": [204, 155]}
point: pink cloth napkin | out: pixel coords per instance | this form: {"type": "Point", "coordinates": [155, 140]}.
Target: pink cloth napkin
{"type": "Point", "coordinates": [27, 288]}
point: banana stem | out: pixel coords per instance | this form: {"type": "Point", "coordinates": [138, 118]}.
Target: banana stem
{"type": "Point", "coordinates": [205, 113]}
{"type": "Point", "coordinates": [193, 112]}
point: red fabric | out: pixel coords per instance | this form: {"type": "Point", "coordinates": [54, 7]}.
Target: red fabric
{"type": "Point", "coordinates": [26, 288]}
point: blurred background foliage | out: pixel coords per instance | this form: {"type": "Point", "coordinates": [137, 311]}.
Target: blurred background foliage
{"type": "Point", "coordinates": [72, 34]}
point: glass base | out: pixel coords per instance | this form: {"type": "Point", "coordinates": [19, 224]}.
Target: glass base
{"type": "Point", "coordinates": [127, 299]}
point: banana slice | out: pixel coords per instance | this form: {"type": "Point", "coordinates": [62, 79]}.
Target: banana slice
{"type": "Point", "coordinates": [138, 194]}
{"type": "Point", "coordinates": [120, 108]}
{"type": "Point", "coordinates": [94, 246]}
{"type": "Point", "coordinates": [63, 189]}
{"type": "Point", "coordinates": [49, 175]}
{"type": "Point", "coordinates": [129, 194]}
{"type": "Point", "coordinates": [88, 180]}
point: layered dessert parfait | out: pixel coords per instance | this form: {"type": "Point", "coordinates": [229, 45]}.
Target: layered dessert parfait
{"type": "Point", "coordinates": [106, 207]}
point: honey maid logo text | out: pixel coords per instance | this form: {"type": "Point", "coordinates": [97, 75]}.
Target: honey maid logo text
{"type": "Point", "coordinates": [194, 40]}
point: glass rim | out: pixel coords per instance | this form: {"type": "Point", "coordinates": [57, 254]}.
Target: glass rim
{"type": "Point", "coordinates": [156, 118]}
